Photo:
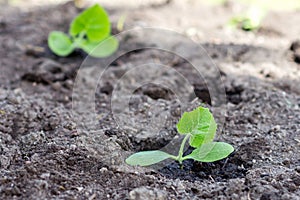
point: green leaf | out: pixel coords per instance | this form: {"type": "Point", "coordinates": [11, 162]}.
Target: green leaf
{"type": "Point", "coordinates": [146, 158]}
{"type": "Point", "coordinates": [196, 140]}
{"type": "Point", "coordinates": [188, 122]}
{"type": "Point", "coordinates": [60, 43]}
{"type": "Point", "coordinates": [101, 49]}
{"type": "Point", "coordinates": [200, 124]}
{"type": "Point", "coordinates": [211, 152]}
{"type": "Point", "coordinates": [94, 22]}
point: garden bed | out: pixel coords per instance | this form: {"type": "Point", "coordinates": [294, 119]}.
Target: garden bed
{"type": "Point", "coordinates": [45, 155]}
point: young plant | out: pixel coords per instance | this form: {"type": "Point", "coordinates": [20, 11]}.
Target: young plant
{"type": "Point", "coordinates": [199, 128]}
{"type": "Point", "coordinates": [249, 21]}
{"type": "Point", "coordinates": [89, 31]}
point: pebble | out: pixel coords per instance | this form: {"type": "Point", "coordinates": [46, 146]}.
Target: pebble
{"type": "Point", "coordinates": [68, 84]}
{"type": "Point", "coordinates": [70, 125]}
{"type": "Point", "coordinates": [45, 175]}
{"type": "Point", "coordinates": [143, 193]}
{"type": "Point", "coordinates": [56, 86]}
{"type": "Point", "coordinates": [297, 169]}
{"type": "Point", "coordinates": [73, 147]}
{"type": "Point", "coordinates": [286, 161]}
{"type": "Point", "coordinates": [103, 169]}
{"type": "Point", "coordinates": [14, 99]}
{"type": "Point", "coordinates": [179, 185]}
{"type": "Point", "coordinates": [276, 128]}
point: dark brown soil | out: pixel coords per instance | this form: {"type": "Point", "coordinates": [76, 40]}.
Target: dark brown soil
{"type": "Point", "coordinates": [47, 151]}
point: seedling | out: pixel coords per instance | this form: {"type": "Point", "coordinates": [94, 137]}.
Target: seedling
{"type": "Point", "coordinates": [89, 31]}
{"type": "Point", "coordinates": [249, 21]}
{"type": "Point", "coordinates": [199, 128]}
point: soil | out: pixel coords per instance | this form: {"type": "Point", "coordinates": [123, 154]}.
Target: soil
{"type": "Point", "coordinates": [48, 151]}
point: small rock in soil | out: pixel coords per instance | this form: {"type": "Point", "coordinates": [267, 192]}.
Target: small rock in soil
{"type": "Point", "coordinates": [143, 193]}
{"type": "Point", "coordinates": [295, 47]}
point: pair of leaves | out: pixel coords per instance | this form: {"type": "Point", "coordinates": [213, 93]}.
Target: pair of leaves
{"type": "Point", "coordinates": [89, 31]}
{"type": "Point", "coordinates": [62, 45]}
{"type": "Point", "coordinates": [209, 152]}
{"type": "Point", "coordinates": [200, 125]}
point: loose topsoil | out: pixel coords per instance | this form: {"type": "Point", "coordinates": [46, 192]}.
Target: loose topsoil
{"type": "Point", "coordinates": [46, 154]}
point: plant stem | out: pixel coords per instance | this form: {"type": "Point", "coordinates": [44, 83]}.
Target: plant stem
{"type": "Point", "coordinates": [79, 39]}
{"type": "Point", "coordinates": [180, 153]}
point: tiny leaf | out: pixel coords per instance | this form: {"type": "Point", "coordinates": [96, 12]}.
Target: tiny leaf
{"type": "Point", "coordinates": [211, 152]}
{"type": "Point", "coordinates": [60, 43]}
{"type": "Point", "coordinates": [196, 140]}
{"type": "Point", "coordinates": [102, 49]}
{"type": "Point", "coordinates": [94, 22]}
{"type": "Point", "coordinates": [200, 124]}
{"type": "Point", "coordinates": [188, 122]}
{"type": "Point", "coordinates": [146, 158]}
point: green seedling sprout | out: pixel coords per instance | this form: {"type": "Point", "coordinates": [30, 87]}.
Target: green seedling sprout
{"type": "Point", "coordinates": [199, 128]}
{"type": "Point", "coordinates": [249, 21]}
{"type": "Point", "coordinates": [252, 19]}
{"type": "Point", "coordinates": [89, 31]}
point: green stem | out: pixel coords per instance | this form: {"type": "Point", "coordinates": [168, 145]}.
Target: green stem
{"type": "Point", "coordinates": [180, 153]}
{"type": "Point", "coordinates": [173, 157]}
{"type": "Point", "coordinates": [79, 39]}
